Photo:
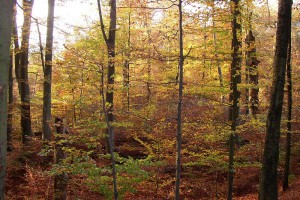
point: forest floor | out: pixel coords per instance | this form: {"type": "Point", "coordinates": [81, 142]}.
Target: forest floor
{"type": "Point", "coordinates": [27, 180]}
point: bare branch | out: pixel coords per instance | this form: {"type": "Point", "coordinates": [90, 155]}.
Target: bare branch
{"type": "Point", "coordinates": [101, 22]}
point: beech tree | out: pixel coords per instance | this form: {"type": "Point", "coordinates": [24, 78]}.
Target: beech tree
{"type": "Point", "coordinates": [179, 106]}
{"type": "Point", "coordinates": [110, 41]}
{"type": "Point", "coordinates": [23, 71]}
{"type": "Point", "coordinates": [48, 72]}
{"type": "Point", "coordinates": [126, 67]}
{"type": "Point", "coordinates": [10, 102]}
{"type": "Point", "coordinates": [289, 118]}
{"type": "Point", "coordinates": [235, 79]}
{"type": "Point", "coordinates": [16, 46]}
{"type": "Point", "coordinates": [182, 56]}
{"type": "Point", "coordinates": [252, 73]}
{"type": "Point", "coordinates": [268, 182]}
{"type": "Point", "coordinates": [216, 49]}
{"type": "Point", "coordinates": [6, 14]}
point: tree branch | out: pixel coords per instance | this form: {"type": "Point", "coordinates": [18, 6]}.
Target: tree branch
{"type": "Point", "coordinates": [101, 22]}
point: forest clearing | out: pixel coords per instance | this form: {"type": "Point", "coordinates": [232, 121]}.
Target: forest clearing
{"type": "Point", "coordinates": [144, 99]}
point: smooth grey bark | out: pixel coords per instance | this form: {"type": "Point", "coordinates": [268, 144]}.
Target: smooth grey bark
{"type": "Point", "coordinates": [268, 182]}
{"type": "Point", "coordinates": [48, 72]}
{"type": "Point", "coordinates": [179, 107]}
{"type": "Point", "coordinates": [6, 14]}
{"type": "Point", "coordinates": [24, 62]}
{"type": "Point", "coordinates": [110, 44]}
{"type": "Point", "coordinates": [289, 118]}
{"type": "Point", "coordinates": [235, 79]}
{"type": "Point", "coordinates": [17, 51]}
{"type": "Point", "coordinates": [110, 41]}
{"type": "Point", "coordinates": [40, 44]}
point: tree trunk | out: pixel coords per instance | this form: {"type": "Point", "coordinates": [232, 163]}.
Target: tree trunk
{"type": "Point", "coordinates": [16, 47]}
{"type": "Point", "coordinates": [252, 73]}
{"type": "Point", "coordinates": [48, 73]}
{"type": "Point", "coordinates": [60, 180]}
{"type": "Point", "coordinates": [268, 182]}
{"type": "Point", "coordinates": [216, 54]}
{"type": "Point", "coordinates": [110, 90]}
{"type": "Point", "coordinates": [148, 83]}
{"type": "Point", "coordinates": [10, 102]}
{"type": "Point", "coordinates": [289, 118]}
{"type": "Point", "coordinates": [110, 86]}
{"type": "Point", "coordinates": [235, 79]}
{"type": "Point", "coordinates": [24, 84]}
{"type": "Point", "coordinates": [126, 75]}
{"type": "Point", "coordinates": [109, 100]}
{"type": "Point", "coordinates": [179, 107]}
{"type": "Point", "coordinates": [41, 45]}
{"type": "Point", "coordinates": [6, 14]}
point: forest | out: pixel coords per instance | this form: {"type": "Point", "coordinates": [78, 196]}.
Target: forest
{"type": "Point", "coordinates": [150, 99]}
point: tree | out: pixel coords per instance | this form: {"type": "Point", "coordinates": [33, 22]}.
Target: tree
{"type": "Point", "coordinates": [179, 106]}
{"type": "Point", "coordinates": [10, 102]}
{"type": "Point", "coordinates": [268, 182]}
{"type": "Point", "coordinates": [251, 72]}
{"type": "Point", "coordinates": [23, 73]}
{"type": "Point", "coordinates": [289, 118]}
{"type": "Point", "coordinates": [126, 67]}
{"type": "Point", "coordinates": [109, 100]}
{"type": "Point", "coordinates": [48, 72]}
{"type": "Point", "coordinates": [60, 179]}
{"type": "Point", "coordinates": [6, 14]}
{"type": "Point", "coordinates": [216, 49]}
{"type": "Point", "coordinates": [110, 44]}
{"type": "Point", "coordinates": [235, 79]}
{"type": "Point", "coordinates": [16, 46]}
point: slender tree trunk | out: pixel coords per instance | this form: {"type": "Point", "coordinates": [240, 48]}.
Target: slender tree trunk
{"type": "Point", "coordinates": [24, 84]}
{"type": "Point", "coordinates": [235, 79]}
{"type": "Point", "coordinates": [109, 100]}
{"type": "Point", "coordinates": [146, 25]}
{"type": "Point", "coordinates": [41, 45]}
{"type": "Point", "coordinates": [10, 102]}
{"type": "Point", "coordinates": [74, 116]}
{"type": "Point", "coordinates": [289, 117]}
{"type": "Point", "coordinates": [268, 182]}
{"type": "Point", "coordinates": [81, 91]}
{"type": "Point", "coordinates": [269, 13]}
{"type": "Point", "coordinates": [60, 180]}
{"type": "Point", "coordinates": [148, 84]}
{"type": "Point", "coordinates": [110, 43]}
{"type": "Point", "coordinates": [6, 14]}
{"type": "Point", "coordinates": [110, 90]}
{"type": "Point", "coordinates": [48, 73]}
{"type": "Point", "coordinates": [110, 87]}
{"type": "Point", "coordinates": [204, 51]}
{"type": "Point", "coordinates": [252, 72]}
{"type": "Point", "coordinates": [216, 54]}
{"type": "Point", "coordinates": [179, 107]}
{"type": "Point", "coordinates": [17, 50]}
{"type": "Point", "coordinates": [126, 75]}
{"type": "Point", "coordinates": [247, 91]}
